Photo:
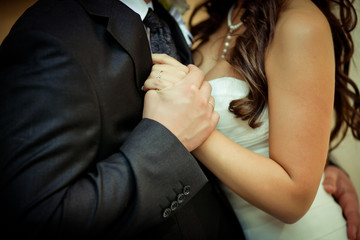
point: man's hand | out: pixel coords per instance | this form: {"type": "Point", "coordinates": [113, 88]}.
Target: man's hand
{"type": "Point", "coordinates": [184, 108]}
{"type": "Point", "coordinates": [338, 184]}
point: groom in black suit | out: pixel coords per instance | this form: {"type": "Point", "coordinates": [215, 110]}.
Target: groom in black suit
{"type": "Point", "coordinates": [77, 158]}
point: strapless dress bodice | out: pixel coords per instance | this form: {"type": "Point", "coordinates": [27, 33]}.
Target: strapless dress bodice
{"type": "Point", "coordinates": [226, 89]}
{"type": "Point", "coordinates": [324, 219]}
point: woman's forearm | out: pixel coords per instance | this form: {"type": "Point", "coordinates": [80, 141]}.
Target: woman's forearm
{"type": "Point", "coordinates": [258, 179]}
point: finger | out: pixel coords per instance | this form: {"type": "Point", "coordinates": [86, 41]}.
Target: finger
{"type": "Point", "coordinates": [165, 59]}
{"type": "Point", "coordinates": [150, 97]}
{"type": "Point", "coordinates": [212, 102]}
{"type": "Point", "coordinates": [215, 118]}
{"type": "Point", "coordinates": [160, 80]}
{"type": "Point", "coordinates": [195, 77]}
{"type": "Point", "coordinates": [353, 225]}
{"type": "Point", "coordinates": [330, 179]}
{"type": "Point", "coordinates": [348, 201]}
{"type": "Point", "coordinates": [169, 70]}
{"type": "Point", "coordinates": [157, 84]}
{"type": "Point", "coordinates": [205, 90]}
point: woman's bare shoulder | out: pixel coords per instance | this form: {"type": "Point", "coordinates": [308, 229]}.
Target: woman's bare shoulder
{"type": "Point", "coordinates": [302, 41]}
{"type": "Point", "coordinates": [302, 19]}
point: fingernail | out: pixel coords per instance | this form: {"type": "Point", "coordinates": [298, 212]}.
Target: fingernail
{"type": "Point", "coordinates": [329, 188]}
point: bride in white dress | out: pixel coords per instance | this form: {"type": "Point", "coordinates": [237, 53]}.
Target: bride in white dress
{"type": "Point", "coordinates": [324, 219]}
{"type": "Point", "coordinates": [270, 149]}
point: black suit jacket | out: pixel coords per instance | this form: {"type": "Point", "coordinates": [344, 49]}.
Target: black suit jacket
{"type": "Point", "coordinates": [76, 157]}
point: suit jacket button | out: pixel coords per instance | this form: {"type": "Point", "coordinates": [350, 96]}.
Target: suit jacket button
{"type": "Point", "coordinates": [174, 205]}
{"type": "Point", "coordinates": [186, 190]}
{"type": "Point", "coordinates": [180, 198]}
{"type": "Point", "coordinates": [166, 212]}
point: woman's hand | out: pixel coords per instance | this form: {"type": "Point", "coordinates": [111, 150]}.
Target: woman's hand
{"type": "Point", "coordinates": [165, 72]}
{"type": "Point", "coordinates": [339, 184]}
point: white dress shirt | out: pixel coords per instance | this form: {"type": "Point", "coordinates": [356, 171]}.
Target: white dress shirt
{"type": "Point", "coordinates": [139, 6]}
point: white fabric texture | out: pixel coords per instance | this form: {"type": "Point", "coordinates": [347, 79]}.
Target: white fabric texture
{"type": "Point", "coordinates": [324, 220]}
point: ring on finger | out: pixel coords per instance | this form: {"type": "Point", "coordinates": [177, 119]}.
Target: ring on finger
{"type": "Point", "coordinates": [213, 106]}
{"type": "Point", "coordinates": [159, 75]}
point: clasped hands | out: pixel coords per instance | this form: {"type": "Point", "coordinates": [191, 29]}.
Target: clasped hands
{"type": "Point", "coordinates": [178, 97]}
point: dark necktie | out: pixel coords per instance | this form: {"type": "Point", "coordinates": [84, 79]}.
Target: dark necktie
{"type": "Point", "coordinates": [161, 40]}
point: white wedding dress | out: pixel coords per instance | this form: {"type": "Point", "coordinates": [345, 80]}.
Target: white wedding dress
{"type": "Point", "coordinates": [324, 220]}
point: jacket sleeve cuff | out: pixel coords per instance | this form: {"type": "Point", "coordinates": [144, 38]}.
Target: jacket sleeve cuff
{"type": "Point", "coordinates": [164, 171]}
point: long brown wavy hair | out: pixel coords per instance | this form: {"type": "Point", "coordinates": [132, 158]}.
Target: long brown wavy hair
{"type": "Point", "coordinates": [248, 56]}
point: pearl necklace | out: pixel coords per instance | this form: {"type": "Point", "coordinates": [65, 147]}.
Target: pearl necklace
{"type": "Point", "coordinates": [232, 28]}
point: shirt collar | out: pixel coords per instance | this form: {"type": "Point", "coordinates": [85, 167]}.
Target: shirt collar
{"type": "Point", "coordinates": [139, 6]}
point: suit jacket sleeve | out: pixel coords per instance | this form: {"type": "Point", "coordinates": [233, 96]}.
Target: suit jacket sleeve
{"type": "Point", "coordinates": [51, 126]}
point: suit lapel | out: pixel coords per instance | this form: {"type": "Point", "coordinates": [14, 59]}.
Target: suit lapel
{"type": "Point", "coordinates": [128, 30]}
